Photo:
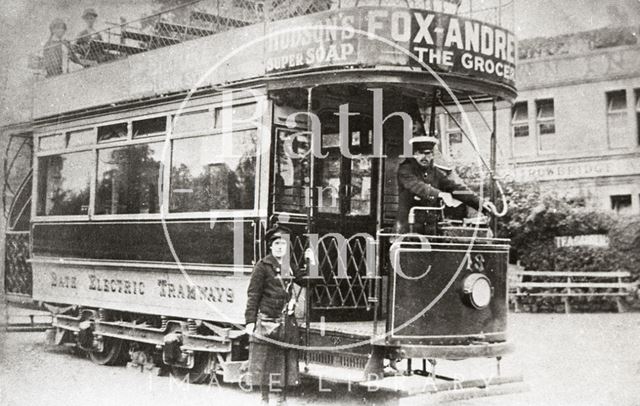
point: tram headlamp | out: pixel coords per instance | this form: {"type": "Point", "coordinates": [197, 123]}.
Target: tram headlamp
{"type": "Point", "coordinates": [477, 290]}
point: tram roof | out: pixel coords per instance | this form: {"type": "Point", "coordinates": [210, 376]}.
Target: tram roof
{"type": "Point", "coordinates": [321, 48]}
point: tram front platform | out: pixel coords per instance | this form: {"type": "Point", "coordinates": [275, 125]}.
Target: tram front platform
{"type": "Point", "coordinates": [341, 351]}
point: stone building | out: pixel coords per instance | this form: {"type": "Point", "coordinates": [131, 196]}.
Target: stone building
{"type": "Point", "coordinates": [575, 126]}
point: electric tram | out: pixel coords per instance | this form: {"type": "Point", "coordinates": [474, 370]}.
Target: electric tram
{"type": "Point", "coordinates": [147, 213]}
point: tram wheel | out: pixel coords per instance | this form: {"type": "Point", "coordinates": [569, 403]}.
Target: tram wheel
{"type": "Point", "coordinates": [196, 375]}
{"type": "Point", "coordinates": [113, 353]}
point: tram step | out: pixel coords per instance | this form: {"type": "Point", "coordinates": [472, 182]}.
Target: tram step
{"type": "Point", "coordinates": [334, 374]}
{"type": "Point", "coordinates": [340, 360]}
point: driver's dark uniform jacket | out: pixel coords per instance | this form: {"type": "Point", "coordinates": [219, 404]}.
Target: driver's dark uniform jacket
{"type": "Point", "coordinates": [419, 186]}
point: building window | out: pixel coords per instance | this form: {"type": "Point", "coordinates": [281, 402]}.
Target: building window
{"type": "Point", "coordinates": [455, 138]}
{"type": "Point", "coordinates": [617, 118]}
{"type": "Point", "coordinates": [621, 204]}
{"type": "Point", "coordinates": [454, 134]}
{"type": "Point", "coordinates": [63, 184]}
{"type": "Point", "coordinates": [520, 119]}
{"type": "Point", "coordinates": [128, 179]}
{"type": "Point", "coordinates": [638, 113]}
{"type": "Point", "coordinates": [545, 117]}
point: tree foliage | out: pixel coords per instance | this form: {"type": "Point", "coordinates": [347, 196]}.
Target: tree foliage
{"type": "Point", "coordinates": [536, 216]}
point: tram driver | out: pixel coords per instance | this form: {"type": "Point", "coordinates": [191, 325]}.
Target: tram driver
{"type": "Point", "coordinates": [422, 182]}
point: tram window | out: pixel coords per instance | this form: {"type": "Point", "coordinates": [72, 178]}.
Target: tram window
{"type": "Point", "coordinates": [51, 142]}
{"type": "Point", "coordinates": [330, 179]}
{"type": "Point", "coordinates": [205, 178]}
{"type": "Point", "coordinates": [128, 179]}
{"type": "Point", "coordinates": [292, 172]}
{"type": "Point", "coordinates": [63, 184]}
{"type": "Point", "coordinates": [201, 120]}
{"type": "Point", "coordinates": [360, 187]}
{"type": "Point", "coordinates": [241, 113]}
{"type": "Point", "coordinates": [80, 137]}
{"type": "Point", "coordinates": [112, 132]}
{"type": "Point", "coordinates": [330, 140]}
{"type": "Point", "coordinates": [149, 126]}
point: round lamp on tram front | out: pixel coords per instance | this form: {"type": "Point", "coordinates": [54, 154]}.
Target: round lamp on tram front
{"type": "Point", "coordinates": [477, 290]}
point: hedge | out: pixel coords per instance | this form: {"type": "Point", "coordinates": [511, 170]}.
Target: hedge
{"type": "Point", "coordinates": [533, 231]}
{"type": "Point", "coordinates": [536, 216]}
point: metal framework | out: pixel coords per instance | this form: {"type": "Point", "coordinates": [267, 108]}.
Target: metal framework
{"type": "Point", "coordinates": [201, 18]}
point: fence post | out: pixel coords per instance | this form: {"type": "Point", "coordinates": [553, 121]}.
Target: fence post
{"type": "Point", "coordinates": [516, 300]}
{"type": "Point", "coordinates": [566, 298]}
{"type": "Point", "coordinates": [623, 288]}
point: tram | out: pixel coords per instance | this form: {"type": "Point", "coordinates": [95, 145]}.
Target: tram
{"type": "Point", "coordinates": [150, 197]}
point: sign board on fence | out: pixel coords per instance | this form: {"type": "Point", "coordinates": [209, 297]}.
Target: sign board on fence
{"type": "Point", "coordinates": [587, 240]}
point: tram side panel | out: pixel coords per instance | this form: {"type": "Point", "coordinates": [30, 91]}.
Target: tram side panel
{"type": "Point", "coordinates": [130, 267]}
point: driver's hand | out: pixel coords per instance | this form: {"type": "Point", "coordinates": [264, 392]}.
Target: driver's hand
{"type": "Point", "coordinates": [488, 207]}
{"type": "Point", "coordinates": [248, 329]}
{"type": "Point", "coordinates": [446, 198]}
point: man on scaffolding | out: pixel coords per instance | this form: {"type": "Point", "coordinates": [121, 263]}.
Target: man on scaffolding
{"type": "Point", "coordinates": [422, 182]}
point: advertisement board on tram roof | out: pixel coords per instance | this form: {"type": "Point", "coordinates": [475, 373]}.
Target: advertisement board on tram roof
{"type": "Point", "coordinates": [363, 36]}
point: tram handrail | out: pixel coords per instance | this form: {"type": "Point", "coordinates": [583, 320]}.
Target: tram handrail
{"type": "Point", "coordinates": [413, 210]}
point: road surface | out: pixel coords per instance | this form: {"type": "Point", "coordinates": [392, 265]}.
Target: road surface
{"type": "Point", "coordinates": [577, 359]}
